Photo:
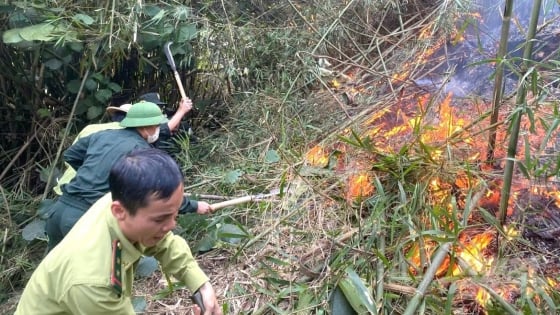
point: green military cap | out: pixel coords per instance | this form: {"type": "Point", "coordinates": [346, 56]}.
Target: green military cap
{"type": "Point", "coordinates": [143, 114]}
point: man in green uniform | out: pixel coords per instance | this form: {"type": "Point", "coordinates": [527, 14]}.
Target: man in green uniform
{"type": "Point", "coordinates": [92, 270]}
{"type": "Point", "coordinates": [117, 114]}
{"type": "Point", "coordinates": [93, 156]}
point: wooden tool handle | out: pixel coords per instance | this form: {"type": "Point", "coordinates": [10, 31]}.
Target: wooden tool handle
{"type": "Point", "coordinates": [232, 202]}
{"type": "Point", "coordinates": [180, 84]}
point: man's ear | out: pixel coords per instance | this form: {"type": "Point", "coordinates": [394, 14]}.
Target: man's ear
{"type": "Point", "coordinates": [118, 210]}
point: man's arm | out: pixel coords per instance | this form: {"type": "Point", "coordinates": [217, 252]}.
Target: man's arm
{"type": "Point", "coordinates": [76, 153]}
{"type": "Point", "coordinates": [89, 299]}
{"type": "Point", "coordinates": [176, 259]}
{"type": "Point", "coordinates": [188, 206]}
{"type": "Point", "coordinates": [185, 105]}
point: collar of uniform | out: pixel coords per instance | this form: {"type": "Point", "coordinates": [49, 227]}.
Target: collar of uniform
{"type": "Point", "coordinates": [130, 253]}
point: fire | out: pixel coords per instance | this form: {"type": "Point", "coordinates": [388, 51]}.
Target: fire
{"type": "Point", "coordinates": [448, 125]}
{"type": "Point", "coordinates": [317, 157]}
{"type": "Point", "coordinates": [472, 254]}
{"type": "Point", "coordinates": [359, 186]}
{"type": "Point", "coordinates": [469, 255]}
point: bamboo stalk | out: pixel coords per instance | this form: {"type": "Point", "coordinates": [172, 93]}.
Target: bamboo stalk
{"type": "Point", "coordinates": [520, 101]}
{"type": "Point", "coordinates": [498, 82]}
{"type": "Point", "coordinates": [66, 131]}
{"type": "Point", "coordinates": [439, 257]}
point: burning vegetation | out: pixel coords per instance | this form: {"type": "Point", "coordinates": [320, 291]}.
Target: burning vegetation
{"type": "Point", "coordinates": [438, 144]}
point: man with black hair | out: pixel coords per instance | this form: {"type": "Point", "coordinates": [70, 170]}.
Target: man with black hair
{"type": "Point", "coordinates": [93, 156]}
{"type": "Point", "coordinates": [92, 270]}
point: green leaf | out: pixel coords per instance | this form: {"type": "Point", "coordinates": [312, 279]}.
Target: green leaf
{"type": "Point", "coordinates": [73, 86]}
{"type": "Point", "coordinates": [11, 36]}
{"type": "Point", "coordinates": [231, 233]}
{"type": "Point", "coordinates": [187, 33]}
{"type": "Point", "coordinates": [53, 64]}
{"type": "Point", "coordinates": [41, 32]}
{"type": "Point", "coordinates": [147, 266]}
{"type": "Point", "coordinates": [114, 87]}
{"type": "Point", "coordinates": [35, 229]}
{"type": "Point", "coordinates": [139, 304]}
{"type": "Point", "coordinates": [233, 176]}
{"type": "Point", "coordinates": [339, 304]}
{"type": "Point", "coordinates": [90, 85]}
{"type": "Point", "coordinates": [84, 105]}
{"type": "Point", "coordinates": [94, 112]}
{"type": "Point", "coordinates": [206, 244]}
{"type": "Point", "coordinates": [271, 156]}
{"type": "Point", "coordinates": [84, 18]}
{"type": "Point", "coordinates": [357, 293]}
{"type": "Point", "coordinates": [103, 95]}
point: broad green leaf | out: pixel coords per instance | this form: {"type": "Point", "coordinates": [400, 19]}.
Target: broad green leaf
{"type": "Point", "coordinates": [41, 32]}
{"type": "Point", "coordinates": [12, 36]}
{"type": "Point", "coordinates": [232, 177]}
{"type": "Point", "coordinates": [94, 112]}
{"type": "Point", "coordinates": [339, 304]}
{"type": "Point", "coordinates": [73, 86]}
{"type": "Point", "coordinates": [103, 95]}
{"type": "Point", "coordinates": [35, 229]}
{"type": "Point", "coordinates": [139, 304]}
{"type": "Point", "coordinates": [206, 244]}
{"type": "Point", "coordinates": [231, 233]}
{"type": "Point", "coordinates": [147, 266]}
{"type": "Point", "coordinates": [357, 293]}
{"type": "Point", "coordinates": [84, 18]}
{"type": "Point", "coordinates": [53, 64]}
{"type": "Point", "coordinates": [187, 33]}
{"type": "Point", "coordinates": [84, 105]}
{"type": "Point", "coordinates": [91, 85]}
{"type": "Point", "coordinates": [114, 87]}
{"type": "Point", "coordinates": [271, 156]}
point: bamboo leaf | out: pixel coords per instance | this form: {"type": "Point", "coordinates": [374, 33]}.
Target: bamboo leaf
{"type": "Point", "coordinates": [357, 294]}
{"type": "Point", "coordinates": [40, 32]}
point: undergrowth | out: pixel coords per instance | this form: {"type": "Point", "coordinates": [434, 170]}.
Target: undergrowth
{"type": "Point", "coordinates": [296, 76]}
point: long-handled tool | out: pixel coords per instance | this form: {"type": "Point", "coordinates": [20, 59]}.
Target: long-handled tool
{"type": "Point", "coordinates": [171, 61]}
{"type": "Point", "coordinates": [240, 200]}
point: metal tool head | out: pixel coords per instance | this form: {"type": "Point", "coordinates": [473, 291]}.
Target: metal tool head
{"type": "Point", "coordinates": [169, 55]}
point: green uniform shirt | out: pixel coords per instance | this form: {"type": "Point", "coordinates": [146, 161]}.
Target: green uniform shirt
{"type": "Point", "coordinates": [75, 277]}
{"type": "Point", "coordinates": [69, 173]}
{"type": "Point", "coordinates": [92, 157]}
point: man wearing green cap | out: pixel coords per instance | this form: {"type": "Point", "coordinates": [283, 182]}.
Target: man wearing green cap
{"type": "Point", "coordinates": [117, 114]}
{"type": "Point", "coordinates": [93, 157]}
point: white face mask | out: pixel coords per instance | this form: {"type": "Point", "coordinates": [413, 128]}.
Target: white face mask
{"type": "Point", "coordinates": [153, 138]}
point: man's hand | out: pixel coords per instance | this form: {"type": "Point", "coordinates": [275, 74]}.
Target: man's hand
{"type": "Point", "coordinates": [203, 208]}
{"type": "Point", "coordinates": [209, 299]}
{"type": "Point", "coordinates": [185, 105]}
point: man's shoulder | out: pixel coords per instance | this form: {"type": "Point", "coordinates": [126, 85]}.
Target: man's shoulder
{"type": "Point", "coordinates": [93, 128]}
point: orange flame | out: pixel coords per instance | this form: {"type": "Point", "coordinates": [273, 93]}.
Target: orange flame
{"type": "Point", "coordinates": [359, 186]}
{"type": "Point", "coordinates": [317, 157]}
